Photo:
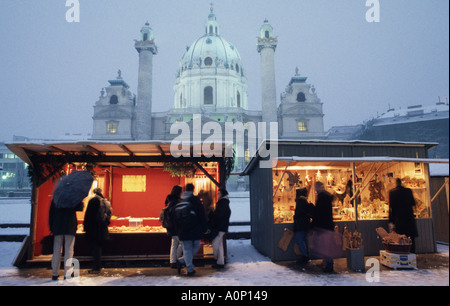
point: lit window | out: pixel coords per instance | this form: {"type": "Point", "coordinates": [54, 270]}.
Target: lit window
{"type": "Point", "coordinates": [112, 128]}
{"type": "Point", "coordinates": [302, 126]}
{"type": "Point", "coordinates": [247, 155]}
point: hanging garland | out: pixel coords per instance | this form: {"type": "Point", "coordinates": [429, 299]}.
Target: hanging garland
{"type": "Point", "coordinates": [181, 169]}
{"type": "Point", "coordinates": [187, 169]}
{"type": "Point", "coordinates": [53, 167]}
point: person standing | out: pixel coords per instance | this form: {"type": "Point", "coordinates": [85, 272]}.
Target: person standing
{"type": "Point", "coordinates": [63, 225]}
{"type": "Point", "coordinates": [176, 249]}
{"type": "Point", "coordinates": [219, 227]}
{"type": "Point", "coordinates": [401, 212]}
{"type": "Point", "coordinates": [323, 218]}
{"type": "Point", "coordinates": [96, 221]}
{"type": "Point", "coordinates": [190, 231]}
{"type": "Point", "coordinates": [302, 223]}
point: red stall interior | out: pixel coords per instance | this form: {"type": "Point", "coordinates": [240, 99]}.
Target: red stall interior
{"type": "Point", "coordinates": [137, 196]}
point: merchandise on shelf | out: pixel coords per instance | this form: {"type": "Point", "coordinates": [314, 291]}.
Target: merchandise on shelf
{"type": "Point", "coordinates": [368, 190]}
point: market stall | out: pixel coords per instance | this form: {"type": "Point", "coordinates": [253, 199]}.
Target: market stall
{"type": "Point", "coordinates": [135, 176]}
{"type": "Point", "coordinates": [358, 174]}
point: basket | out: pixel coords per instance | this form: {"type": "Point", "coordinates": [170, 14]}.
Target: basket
{"type": "Point", "coordinates": [397, 248]}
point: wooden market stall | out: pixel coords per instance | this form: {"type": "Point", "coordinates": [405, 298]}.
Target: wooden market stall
{"type": "Point", "coordinates": [135, 176]}
{"type": "Point", "coordinates": [359, 175]}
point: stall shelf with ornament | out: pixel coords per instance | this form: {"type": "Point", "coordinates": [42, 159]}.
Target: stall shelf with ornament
{"type": "Point", "coordinates": [135, 176]}
{"type": "Point", "coordinates": [358, 173]}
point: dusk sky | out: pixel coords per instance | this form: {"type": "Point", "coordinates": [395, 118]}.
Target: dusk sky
{"type": "Point", "coordinates": [52, 71]}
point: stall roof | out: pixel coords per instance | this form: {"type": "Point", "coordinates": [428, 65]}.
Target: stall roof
{"type": "Point", "coordinates": [137, 149]}
{"type": "Point", "coordinates": [292, 142]}
{"type": "Point", "coordinates": [362, 159]}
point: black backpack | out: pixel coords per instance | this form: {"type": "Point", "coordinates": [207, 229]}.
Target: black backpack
{"type": "Point", "coordinates": [104, 212]}
{"type": "Point", "coordinates": [185, 216]}
{"type": "Point", "coordinates": [165, 217]}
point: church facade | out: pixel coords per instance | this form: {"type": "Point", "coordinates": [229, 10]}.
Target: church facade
{"type": "Point", "coordinates": [212, 82]}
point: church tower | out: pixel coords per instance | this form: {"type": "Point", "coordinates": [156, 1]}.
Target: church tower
{"type": "Point", "coordinates": [146, 48]}
{"type": "Point", "coordinates": [114, 112]}
{"type": "Point", "coordinates": [267, 44]}
{"type": "Point", "coordinates": [300, 111]}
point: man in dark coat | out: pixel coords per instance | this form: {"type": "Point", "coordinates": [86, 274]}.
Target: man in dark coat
{"type": "Point", "coordinates": [96, 221]}
{"type": "Point", "coordinates": [302, 223]}
{"type": "Point", "coordinates": [190, 237]}
{"type": "Point", "coordinates": [219, 223]}
{"type": "Point", "coordinates": [323, 214]}
{"type": "Point", "coordinates": [63, 225]}
{"type": "Point", "coordinates": [401, 213]}
{"type": "Point", "coordinates": [176, 249]}
{"type": "Point", "coordinates": [323, 217]}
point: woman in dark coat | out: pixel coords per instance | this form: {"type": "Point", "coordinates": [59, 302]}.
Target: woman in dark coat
{"type": "Point", "coordinates": [96, 221]}
{"type": "Point", "coordinates": [219, 223]}
{"type": "Point", "coordinates": [302, 223]}
{"type": "Point", "coordinates": [176, 248]}
{"type": "Point", "coordinates": [401, 212]}
{"type": "Point", "coordinates": [323, 219]}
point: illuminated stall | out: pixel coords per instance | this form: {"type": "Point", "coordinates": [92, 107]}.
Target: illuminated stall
{"type": "Point", "coordinates": [135, 176]}
{"type": "Point", "coordinates": [358, 174]}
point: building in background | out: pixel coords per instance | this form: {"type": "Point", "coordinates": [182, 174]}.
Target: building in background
{"type": "Point", "coordinates": [416, 123]}
{"type": "Point", "coordinates": [13, 174]}
{"type": "Point", "coordinates": [211, 81]}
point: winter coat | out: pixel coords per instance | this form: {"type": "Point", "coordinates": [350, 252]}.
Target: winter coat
{"type": "Point", "coordinates": [96, 230]}
{"type": "Point", "coordinates": [63, 221]}
{"type": "Point", "coordinates": [303, 214]}
{"type": "Point", "coordinates": [170, 204]}
{"type": "Point", "coordinates": [220, 218]}
{"type": "Point", "coordinates": [195, 233]}
{"type": "Point", "coordinates": [323, 213]}
{"type": "Point", "coordinates": [401, 214]}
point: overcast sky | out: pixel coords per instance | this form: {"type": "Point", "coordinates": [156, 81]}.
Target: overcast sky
{"type": "Point", "coordinates": [52, 71]}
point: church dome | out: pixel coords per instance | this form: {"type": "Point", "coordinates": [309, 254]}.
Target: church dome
{"type": "Point", "coordinates": [210, 74]}
{"type": "Point", "coordinates": [211, 50]}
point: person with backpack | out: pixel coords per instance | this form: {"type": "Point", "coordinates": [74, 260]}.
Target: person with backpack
{"type": "Point", "coordinates": [168, 221]}
{"type": "Point", "coordinates": [191, 223]}
{"type": "Point", "coordinates": [219, 222]}
{"type": "Point", "coordinates": [96, 221]}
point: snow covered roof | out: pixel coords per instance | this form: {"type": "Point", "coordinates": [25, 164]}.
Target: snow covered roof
{"type": "Point", "coordinates": [415, 113]}
{"type": "Point", "coordinates": [332, 143]}
{"type": "Point", "coordinates": [364, 159]}
{"type": "Point", "coordinates": [136, 149]}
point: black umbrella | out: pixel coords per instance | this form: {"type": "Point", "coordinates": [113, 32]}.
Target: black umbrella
{"type": "Point", "coordinates": [72, 189]}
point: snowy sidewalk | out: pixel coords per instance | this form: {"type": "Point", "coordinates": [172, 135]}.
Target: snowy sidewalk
{"type": "Point", "coordinates": [247, 267]}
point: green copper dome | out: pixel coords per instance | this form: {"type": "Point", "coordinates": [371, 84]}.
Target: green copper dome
{"type": "Point", "coordinates": [211, 50]}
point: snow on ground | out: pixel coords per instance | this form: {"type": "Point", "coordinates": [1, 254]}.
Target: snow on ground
{"type": "Point", "coordinates": [15, 210]}
{"type": "Point", "coordinates": [246, 266]}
